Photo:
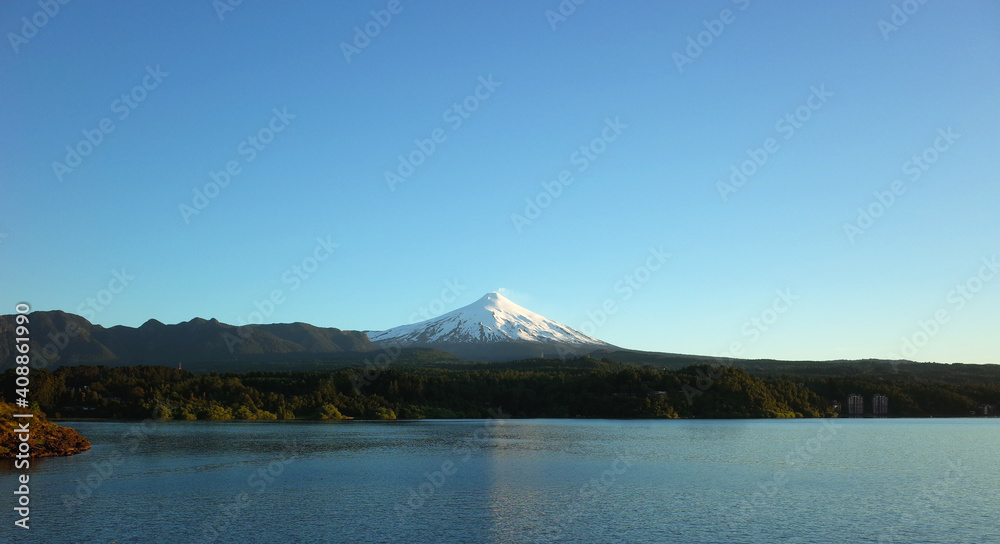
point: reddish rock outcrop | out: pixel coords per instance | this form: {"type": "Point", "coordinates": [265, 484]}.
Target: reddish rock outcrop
{"type": "Point", "coordinates": [47, 438]}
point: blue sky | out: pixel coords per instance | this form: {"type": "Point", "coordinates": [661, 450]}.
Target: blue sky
{"type": "Point", "coordinates": [780, 266]}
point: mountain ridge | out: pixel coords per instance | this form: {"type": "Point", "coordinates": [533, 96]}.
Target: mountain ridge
{"type": "Point", "coordinates": [59, 338]}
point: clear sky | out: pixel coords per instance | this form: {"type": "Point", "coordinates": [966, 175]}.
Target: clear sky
{"type": "Point", "coordinates": [488, 103]}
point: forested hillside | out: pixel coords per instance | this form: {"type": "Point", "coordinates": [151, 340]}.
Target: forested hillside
{"type": "Point", "coordinates": [582, 387]}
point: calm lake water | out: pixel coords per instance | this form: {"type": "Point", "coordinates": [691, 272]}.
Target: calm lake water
{"type": "Point", "coordinates": [511, 481]}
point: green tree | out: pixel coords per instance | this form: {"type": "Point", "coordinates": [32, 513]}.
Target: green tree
{"type": "Point", "coordinates": [216, 411]}
{"type": "Point", "coordinates": [329, 411]}
{"type": "Point", "coordinates": [245, 412]}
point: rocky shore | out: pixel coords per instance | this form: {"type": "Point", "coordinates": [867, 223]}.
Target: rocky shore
{"type": "Point", "coordinates": [47, 438]}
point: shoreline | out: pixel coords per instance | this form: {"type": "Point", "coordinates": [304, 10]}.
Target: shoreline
{"type": "Point", "coordinates": [356, 420]}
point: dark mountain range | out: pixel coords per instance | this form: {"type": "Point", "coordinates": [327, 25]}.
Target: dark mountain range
{"type": "Point", "coordinates": [491, 329]}
{"type": "Point", "coordinates": [59, 338]}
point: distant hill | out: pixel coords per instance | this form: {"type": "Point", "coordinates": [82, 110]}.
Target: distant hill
{"type": "Point", "coordinates": [955, 373]}
{"type": "Point", "coordinates": [60, 338]}
{"type": "Point", "coordinates": [492, 329]}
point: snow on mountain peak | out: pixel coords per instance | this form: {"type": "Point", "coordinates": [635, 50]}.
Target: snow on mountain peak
{"type": "Point", "coordinates": [492, 318]}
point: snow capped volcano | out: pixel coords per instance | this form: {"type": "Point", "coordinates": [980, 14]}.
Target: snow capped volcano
{"type": "Point", "coordinates": [495, 322]}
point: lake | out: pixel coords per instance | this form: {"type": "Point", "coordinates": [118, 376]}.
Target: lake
{"type": "Point", "coordinates": [513, 481]}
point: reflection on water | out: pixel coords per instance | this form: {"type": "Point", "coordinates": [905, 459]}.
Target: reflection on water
{"type": "Point", "coordinates": [510, 481]}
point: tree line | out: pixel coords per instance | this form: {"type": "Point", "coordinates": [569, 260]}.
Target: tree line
{"type": "Point", "coordinates": [581, 387]}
